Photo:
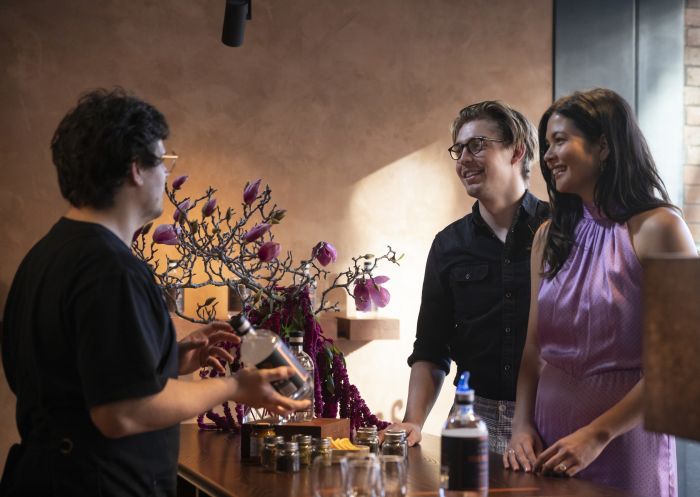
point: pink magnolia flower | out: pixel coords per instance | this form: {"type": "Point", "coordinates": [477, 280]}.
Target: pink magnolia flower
{"type": "Point", "coordinates": [324, 253]}
{"type": "Point", "coordinates": [179, 181]}
{"type": "Point", "coordinates": [166, 234]}
{"type": "Point", "coordinates": [250, 192]}
{"type": "Point", "coordinates": [180, 213]}
{"type": "Point", "coordinates": [369, 291]}
{"type": "Point", "coordinates": [256, 232]}
{"type": "Point", "coordinates": [269, 251]}
{"type": "Point", "coordinates": [208, 208]}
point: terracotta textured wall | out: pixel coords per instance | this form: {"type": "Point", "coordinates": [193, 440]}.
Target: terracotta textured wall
{"type": "Point", "coordinates": [342, 107]}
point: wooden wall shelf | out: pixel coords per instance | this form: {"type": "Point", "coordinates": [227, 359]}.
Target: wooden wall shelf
{"type": "Point", "coordinates": [367, 329]}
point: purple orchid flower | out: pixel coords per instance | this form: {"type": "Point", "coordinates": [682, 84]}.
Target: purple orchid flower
{"type": "Point", "coordinates": [250, 192]}
{"type": "Point", "coordinates": [369, 291]}
{"type": "Point", "coordinates": [179, 181]}
{"type": "Point", "coordinates": [324, 253]}
{"type": "Point", "coordinates": [166, 234]}
{"type": "Point", "coordinates": [256, 232]}
{"type": "Point", "coordinates": [269, 251]}
{"type": "Point", "coordinates": [180, 213]}
{"type": "Point", "coordinates": [208, 208]}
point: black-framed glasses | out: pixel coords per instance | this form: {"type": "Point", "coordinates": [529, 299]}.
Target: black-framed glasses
{"type": "Point", "coordinates": [169, 161]}
{"type": "Point", "coordinates": [474, 146]}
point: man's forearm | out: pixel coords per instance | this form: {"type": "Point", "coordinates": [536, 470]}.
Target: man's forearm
{"type": "Point", "coordinates": [423, 389]}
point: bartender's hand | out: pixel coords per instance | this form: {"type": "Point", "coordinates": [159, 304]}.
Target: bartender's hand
{"type": "Point", "coordinates": [413, 432]}
{"type": "Point", "coordinates": [571, 454]}
{"type": "Point", "coordinates": [253, 389]}
{"type": "Point", "coordinates": [202, 348]}
{"type": "Point", "coordinates": [522, 451]}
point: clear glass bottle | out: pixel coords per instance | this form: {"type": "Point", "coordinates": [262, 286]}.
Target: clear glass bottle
{"type": "Point", "coordinates": [395, 443]}
{"type": "Point", "coordinates": [265, 349]}
{"type": "Point", "coordinates": [367, 436]}
{"type": "Point", "coordinates": [464, 461]}
{"type": "Point", "coordinates": [296, 344]}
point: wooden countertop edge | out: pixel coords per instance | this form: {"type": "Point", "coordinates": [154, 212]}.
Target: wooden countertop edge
{"type": "Point", "coordinates": [210, 487]}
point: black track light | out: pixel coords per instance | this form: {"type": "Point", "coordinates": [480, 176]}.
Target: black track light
{"type": "Point", "coordinates": [237, 12]}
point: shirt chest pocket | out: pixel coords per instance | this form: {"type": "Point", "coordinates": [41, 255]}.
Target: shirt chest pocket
{"type": "Point", "coordinates": [475, 290]}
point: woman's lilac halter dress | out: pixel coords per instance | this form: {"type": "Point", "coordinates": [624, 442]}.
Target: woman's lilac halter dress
{"type": "Point", "coordinates": [590, 331]}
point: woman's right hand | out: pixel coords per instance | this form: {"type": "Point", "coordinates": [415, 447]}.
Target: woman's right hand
{"type": "Point", "coordinates": [524, 447]}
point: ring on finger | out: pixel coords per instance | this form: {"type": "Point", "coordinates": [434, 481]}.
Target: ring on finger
{"type": "Point", "coordinates": [511, 451]}
{"type": "Point", "coordinates": [561, 468]}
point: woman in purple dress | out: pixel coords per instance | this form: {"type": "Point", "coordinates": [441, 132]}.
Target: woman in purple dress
{"type": "Point", "coordinates": [579, 397]}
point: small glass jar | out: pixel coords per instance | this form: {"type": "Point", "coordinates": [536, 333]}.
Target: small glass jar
{"type": "Point", "coordinates": [288, 458]}
{"type": "Point", "coordinates": [322, 448]}
{"type": "Point", "coordinates": [367, 436]}
{"type": "Point", "coordinates": [395, 443]}
{"type": "Point", "coordinates": [257, 440]}
{"type": "Point", "coordinates": [305, 450]}
{"type": "Point", "coordinates": [268, 456]}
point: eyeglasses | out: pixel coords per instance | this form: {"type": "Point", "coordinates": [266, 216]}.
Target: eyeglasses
{"type": "Point", "coordinates": [171, 160]}
{"type": "Point", "coordinates": [474, 146]}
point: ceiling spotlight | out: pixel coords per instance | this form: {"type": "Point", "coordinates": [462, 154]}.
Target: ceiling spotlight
{"type": "Point", "coordinates": [237, 12]}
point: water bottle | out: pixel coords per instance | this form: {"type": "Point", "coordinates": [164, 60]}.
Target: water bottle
{"type": "Point", "coordinates": [266, 350]}
{"type": "Point", "coordinates": [464, 455]}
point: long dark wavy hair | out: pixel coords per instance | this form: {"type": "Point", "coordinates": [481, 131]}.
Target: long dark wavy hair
{"type": "Point", "coordinates": [628, 184]}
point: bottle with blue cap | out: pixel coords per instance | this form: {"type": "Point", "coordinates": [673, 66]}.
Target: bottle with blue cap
{"type": "Point", "coordinates": [464, 461]}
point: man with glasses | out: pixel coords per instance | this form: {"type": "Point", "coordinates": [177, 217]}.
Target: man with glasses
{"type": "Point", "coordinates": [476, 290]}
{"type": "Point", "coordinates": [88, 346]}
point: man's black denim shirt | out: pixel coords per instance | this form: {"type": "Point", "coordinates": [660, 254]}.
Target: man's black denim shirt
{"type": "Point", "coordinates": [476, 297]}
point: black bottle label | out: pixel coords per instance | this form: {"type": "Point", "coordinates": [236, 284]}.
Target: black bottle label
{"type": "Point", "coordinates": [465, 462]}
{"type": "Point", "coordinates": [282, 356]}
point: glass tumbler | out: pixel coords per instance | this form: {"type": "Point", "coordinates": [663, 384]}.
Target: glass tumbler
{"type": "Point", "coordinates": [328, 479]}
{"type": "Point", "coordinates": [394, 477]}
{"type": "Point", "coordinates": [363, 476]}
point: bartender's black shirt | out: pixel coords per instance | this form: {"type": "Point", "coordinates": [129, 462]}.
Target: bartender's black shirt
{"type": "Point", "coordinates": [476, 298]}
{"type": "Point", "coordinates": [85, 324]}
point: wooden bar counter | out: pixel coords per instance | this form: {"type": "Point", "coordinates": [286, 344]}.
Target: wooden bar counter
{"type": "Point", "coordinates": [210, 465]}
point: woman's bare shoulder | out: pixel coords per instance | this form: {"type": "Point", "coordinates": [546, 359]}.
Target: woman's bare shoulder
{"type": "Point", "coordinates": [661, 230]}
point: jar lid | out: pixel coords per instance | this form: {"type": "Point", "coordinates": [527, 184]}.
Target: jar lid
{"type": "Point", "coordinates": [400, 431]}
{"type": "Point", "coordinates": [367, 429]}
{"type": "Point", "coordinates": [394, 436]}
{"type": "Point", "coordinates": [291, 446]}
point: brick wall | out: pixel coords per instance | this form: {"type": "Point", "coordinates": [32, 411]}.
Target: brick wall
{"type": "Point", "coordinates": [691, 172]}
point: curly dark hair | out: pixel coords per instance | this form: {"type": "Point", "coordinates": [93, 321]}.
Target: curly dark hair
{"type": "Point", "coordinates": [514, 127]}
{"type": "Point", "coordinates": [629, 183]}
{"type": "Point", "coordinates": [97, 140]}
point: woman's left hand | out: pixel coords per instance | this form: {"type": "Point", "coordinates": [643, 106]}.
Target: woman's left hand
{"type": "Point", "coordinates": [571, 454]}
